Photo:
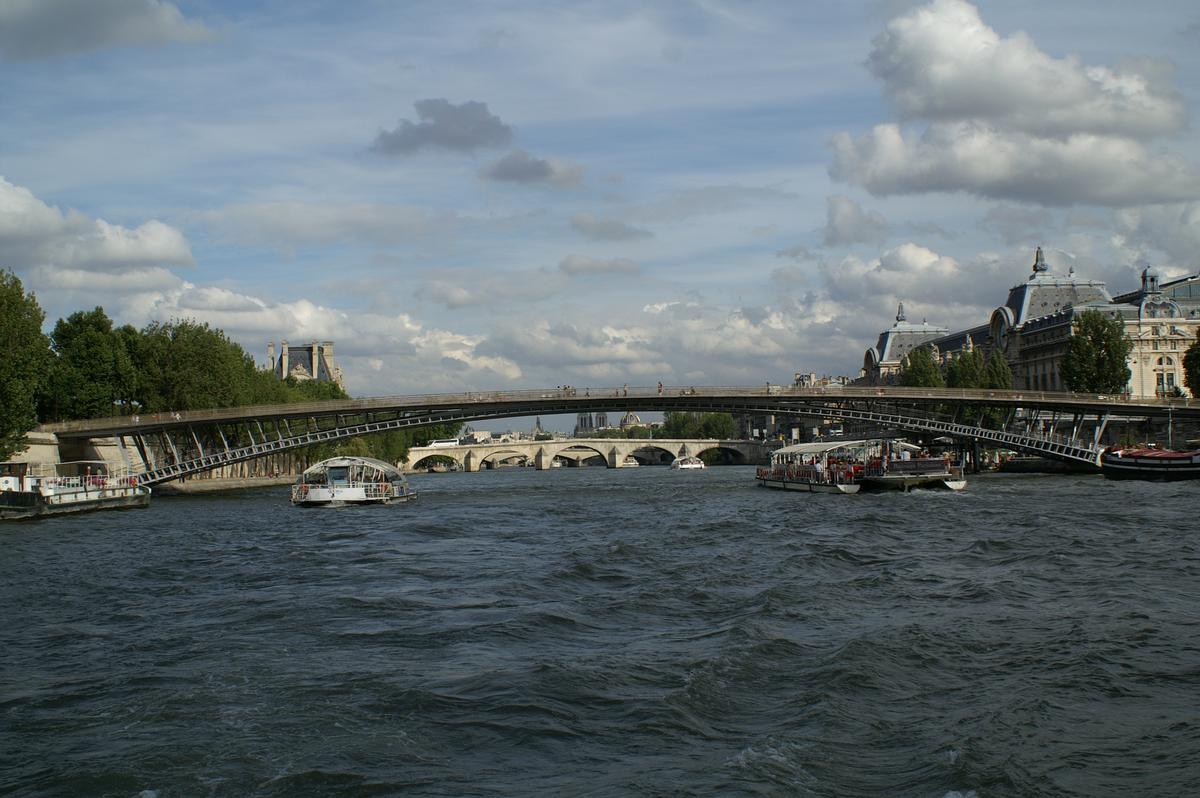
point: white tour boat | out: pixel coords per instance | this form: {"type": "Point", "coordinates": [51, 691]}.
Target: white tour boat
{"type": "Point", "coordinates": [630, 462]}
{"type": "Point", "coordinates": [687, 462]}
{"type": "Point", "coordinates": [351, 480]}
{"type": "Point", "coordinates": [32, 491]}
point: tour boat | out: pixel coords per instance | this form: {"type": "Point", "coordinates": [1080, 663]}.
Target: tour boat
{"type": "Point", "coordinates": [1159, 464]}
{"type": "Point", "coordinates": [630, 462]}
{"type": "Point", "coordinates": [852, 466]}
{"type": "Point", "coordinates": [32, 491]}
{"type": "Point", "coordinates": [687, 462]}
{"type": "Point", "coordinates": [351, 480]}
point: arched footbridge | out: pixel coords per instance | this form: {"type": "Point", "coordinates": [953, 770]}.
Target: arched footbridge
{"type": "Point", "coordinates": [1062, 426]}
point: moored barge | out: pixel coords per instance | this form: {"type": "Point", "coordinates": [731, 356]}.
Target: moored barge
{"type": "Point", "coordinates": [33, 491]}
{"type": "Point", "coordinates": [1152, 464]}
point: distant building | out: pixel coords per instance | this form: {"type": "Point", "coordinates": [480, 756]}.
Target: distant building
{"type": "Point", "coordinates": [1034, 326]}
{"type": "Point", "coordinates": [312, 361]}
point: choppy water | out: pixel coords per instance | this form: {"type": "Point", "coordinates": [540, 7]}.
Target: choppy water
{"type": "Point", "coordinates": [593, 632]}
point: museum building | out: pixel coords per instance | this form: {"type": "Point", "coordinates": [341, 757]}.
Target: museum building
{"type": "Point", "coordinates": [1032, 329]}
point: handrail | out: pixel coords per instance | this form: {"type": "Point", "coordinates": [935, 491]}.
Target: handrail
{"type": "Point", "coordinates": [590, 396]}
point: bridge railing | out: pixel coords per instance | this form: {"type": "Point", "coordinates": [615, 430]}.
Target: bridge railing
{"type": "Point", "coordinates": [578, 396]}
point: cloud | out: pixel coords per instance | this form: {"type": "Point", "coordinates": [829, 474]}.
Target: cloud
{"type": "Point", "coordinates": [34, 234]}
{"type": "Point", "coordinates": [290, 224]}
{"type": "Point", "coordinates": [607, 229]}
{"type": "Point", "coordinates": [462, 288]}
{"type": "Point", "coordinates": [847, 223]}
{"type": "Point", "coordinates": [33, 29]}
{"type": "Point", "coordinates": [705, 200]}
{"type": "Point", "coordinates": [446, 126]}
{"type": "Point", "coordinates": [1006, 121]}
{"type": "Point", "coordinates": [942, 62]}
{"type": "Point", "coordinates": [1016, 224]}
{"type": "Point", "coordinates": [521, 167]}
{"type": "Point", "coordinates": [1172, 229]}
{"type": "Point", "coordinates": [967, 156]}
{"type": "Point", "coordinates": [578, 265]}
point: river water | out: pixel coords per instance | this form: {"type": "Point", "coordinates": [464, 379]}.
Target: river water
{"type": "Point", "coordinates": [593, 632]}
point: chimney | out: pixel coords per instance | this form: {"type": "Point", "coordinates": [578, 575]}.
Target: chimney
{"type": "Point", "coordinates": [271, 355]}
{"type": "Point", "coordinates": [283, 359]}
{"type": "Point", "coordinates": [313, 352]}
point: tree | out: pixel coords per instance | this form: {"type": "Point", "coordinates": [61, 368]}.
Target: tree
{"type": "Point", "coordinates": [1097, 354]}
{"type": "Point", "coordinates": [967, 370]}
{"type": "Point", "coordinates": [1191, 368]}
{"type": "Point", "coordinates": [920, 370]}
{"type": "Point", "coordinates": [996, 372]}
{"type": "Point", "coordinates": [26, 353]}
{"type": "Point", "coordinates": [92, 370]}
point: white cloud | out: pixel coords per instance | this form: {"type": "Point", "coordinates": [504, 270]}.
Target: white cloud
{"type": "Point", "coordinates": [1007, 121]}
{"type": "Point", "coordinates": [847, 223]}
{"type": "Point", "coordinates": [460, 288]}
{"type": "Point", "coordinates": [942, 62]}
{"type": "Point", "coordinates": [32, 29]}
{"type": "Point", "coordinates": [981, 160]}
{"type": "Point", "coordinates": [1172, 229]}
{"type": "Point", "coordinates": [34, 234]}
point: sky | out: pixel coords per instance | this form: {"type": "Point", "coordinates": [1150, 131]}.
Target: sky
{"type": "Point", "coordinates": [485, 195]}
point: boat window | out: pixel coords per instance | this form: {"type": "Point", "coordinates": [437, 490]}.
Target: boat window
{"type": "Point", "coordinates": [339, 473]}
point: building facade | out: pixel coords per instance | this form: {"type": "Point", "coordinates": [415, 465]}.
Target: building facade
{"type": "Point", "coordinates": [313, 361]}
{"type": "Point", "coordinates": [1033, 329]}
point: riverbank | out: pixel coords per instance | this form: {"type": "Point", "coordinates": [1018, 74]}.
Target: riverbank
{"type": "Point", "coordinates": [194, 486]}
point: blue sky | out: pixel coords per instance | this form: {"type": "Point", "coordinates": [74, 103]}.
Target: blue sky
{"type": "Point", "coordinates": [481, 195]}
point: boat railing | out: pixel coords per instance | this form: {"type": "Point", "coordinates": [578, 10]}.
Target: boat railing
{"type": "Point", "coordinates": [371, 490]}
{"type": "Point", "coordinates": [835, 474]}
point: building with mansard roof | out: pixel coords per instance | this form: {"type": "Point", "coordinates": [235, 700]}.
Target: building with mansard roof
{"type": "Point", "coordinates": [1034, 326]}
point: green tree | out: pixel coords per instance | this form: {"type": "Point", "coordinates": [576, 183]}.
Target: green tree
{"type": "Point", "coordinates": [92, 370]}
{"type": "Point", "coordinates": [997, 374]}
{"type": "Point", "coordinates": [1097, 354]}
{"type": "Point", "coordinates": [920, 370]}
{"type": "Point", "coordinates": [26, 353]}
{"type": "Point", "coordinates": [1191, 367]}
{"type": "Point", "coordinates": [186, 365]}
{"type": "Point", "coordinates": [967, 370]}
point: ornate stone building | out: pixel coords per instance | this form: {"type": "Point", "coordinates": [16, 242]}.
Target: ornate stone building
{"type": "Point", "coordinates": [1033, 327]}
{"type": "Point", "coordinates": [312, 361]}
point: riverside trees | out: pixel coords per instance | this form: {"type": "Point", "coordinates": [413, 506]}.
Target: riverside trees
{"type": "Point", "coordinates": [1097, 355]}
{"type": "Point", "coordinates": [26, 352]}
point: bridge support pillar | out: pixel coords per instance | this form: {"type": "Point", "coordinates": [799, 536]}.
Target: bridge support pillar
{"type": "Point", "coordinates": [471, 462]}
{"type": "Point", "coordinates": [542, 459]}
{"type": "Point", "coordinates": [615, 460]}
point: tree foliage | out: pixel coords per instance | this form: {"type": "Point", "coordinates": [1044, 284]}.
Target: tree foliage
{"type": "Point", "coordinates": [1191, 368]}
{"type": "Point", "coordinates": [696, 425]}
{"type": "Point", "coordinates": [26, 352]}
{"type": "Point", "coordinates": [997, 374]}
{"type": "Point", "coordinates": [1097, 355]}
{"type": "Point", "coordinates": [967, 370]}
{"type": "Point", "coordinates": [920, 370]}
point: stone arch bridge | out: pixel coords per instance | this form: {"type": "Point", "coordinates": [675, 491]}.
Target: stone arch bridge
{"type": "Point", "coordinates": [615, 451]}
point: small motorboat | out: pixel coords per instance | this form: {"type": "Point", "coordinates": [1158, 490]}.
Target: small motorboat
{"type": "Point", "coordinates": [687, 462]}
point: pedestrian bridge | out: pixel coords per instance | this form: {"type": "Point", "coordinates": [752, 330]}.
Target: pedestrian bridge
{"type": "Point", "coordinates": [1064, 426]}
{"type": "Point", "coordinates": [574, 451]}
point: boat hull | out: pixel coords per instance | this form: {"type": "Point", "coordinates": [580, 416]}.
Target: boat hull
{"type": "Point", "coordinates": [1156, 468]}
{"type": "Point", "coordinates": [21, 510]}
{"type": "Point", "coordinates": [804, 486]}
